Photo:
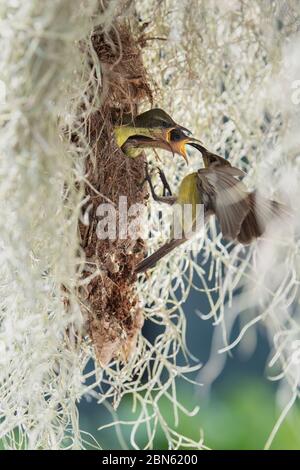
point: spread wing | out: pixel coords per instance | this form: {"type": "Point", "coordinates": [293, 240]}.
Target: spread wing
{"type": "Point", "coordinates": [262, 211]}
{"type": "Point", "coordinates": [243, 216]}
{"type": "Point", "coordinates": [226, 197]}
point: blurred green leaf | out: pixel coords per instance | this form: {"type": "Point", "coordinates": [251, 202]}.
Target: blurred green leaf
{"type": "Point", "coordinates": [240, 415]}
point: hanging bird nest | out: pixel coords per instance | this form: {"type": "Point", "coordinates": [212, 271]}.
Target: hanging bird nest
{"type": "Point", "coordinates": [114, 316]}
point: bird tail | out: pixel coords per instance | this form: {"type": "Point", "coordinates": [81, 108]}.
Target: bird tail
{"type": "Point", "coordinates": [151, 260]}
{"type": "Point", "coordinates": [262, 212]}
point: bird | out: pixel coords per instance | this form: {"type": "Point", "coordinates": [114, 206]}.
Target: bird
{"type": "Point", "coordinates": [152, 129]}
{"type": "Point", "coordinates": [243, 216]}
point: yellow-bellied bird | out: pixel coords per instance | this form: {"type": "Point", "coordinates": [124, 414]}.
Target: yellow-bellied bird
{"type": "Point", "coordinates": [151, 129]}
{"type": "Point", "coordinates": [242, 215]}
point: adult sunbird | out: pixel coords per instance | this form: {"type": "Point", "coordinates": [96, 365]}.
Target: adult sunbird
{"type": "Point", "coordinates": [152, 129]}
{"type": "Point", "coordinates": [243, 216]}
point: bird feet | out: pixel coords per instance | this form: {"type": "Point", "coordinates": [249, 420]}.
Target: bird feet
{"type": "Point", "coordinates": [165, 199]}
{"type": "Point", "coordinates": [163, 179]}
{"type": "Point", "coordinates": [149, 181]}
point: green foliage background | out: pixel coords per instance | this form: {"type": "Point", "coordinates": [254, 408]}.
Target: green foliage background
{"type": "Point", "coordinates": [239, 415]}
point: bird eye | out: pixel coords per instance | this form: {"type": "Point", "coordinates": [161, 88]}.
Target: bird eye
{"type": "Point", "coordinates": [175, 135]}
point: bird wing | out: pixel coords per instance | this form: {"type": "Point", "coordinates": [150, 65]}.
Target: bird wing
{"type": "Point", "coordinates": [262, 211]}
{"type": "Point", "coordinates": [226, 197]}
{"type": "Point", "coordinates": [243, 216]}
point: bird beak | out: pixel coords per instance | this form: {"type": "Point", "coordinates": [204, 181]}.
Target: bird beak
{"type": "Point", "coordinates": [184, 129]}
{"type": "Point", "coordinates": [182, 149]}
{"type": "Point", "coordinates": [180, 146]}
{"type": "Point", "coordinates": [192, 140]}
{"type": "Point", "coordinates": [189, 141]}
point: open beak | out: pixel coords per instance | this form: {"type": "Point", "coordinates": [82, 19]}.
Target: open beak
{"type": "Point", "coordinates": [189, 141]}
{"type": "Point", "coordinates": [182, 149]}
{"type": "Point", "coordinates": [179, 146]}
